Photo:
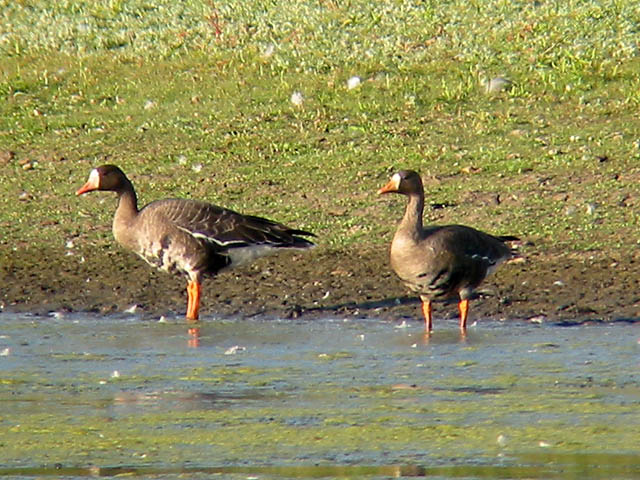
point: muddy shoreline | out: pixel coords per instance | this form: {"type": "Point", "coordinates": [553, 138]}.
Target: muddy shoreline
{"type": "Point", "coordinates": [323, 282]}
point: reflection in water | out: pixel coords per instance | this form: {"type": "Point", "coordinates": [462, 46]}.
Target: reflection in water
{"type": "Point", "coordinates": [126, 403]}
{"type": "Point", "coordinates": [426, 337]}
{"type": "Point", "coordinates": [194, 337]}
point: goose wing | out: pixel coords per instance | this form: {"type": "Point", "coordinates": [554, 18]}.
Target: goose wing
{"type": "Point", "coordinates": [460, 257]}
{"type": "Point", "coordinates": [228, 229]}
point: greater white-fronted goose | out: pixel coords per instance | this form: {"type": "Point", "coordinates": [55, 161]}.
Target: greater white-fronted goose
{"type": "Point", "coordinates": [190, 237]}
{"type": "Point", "coordinates": [440, 261]}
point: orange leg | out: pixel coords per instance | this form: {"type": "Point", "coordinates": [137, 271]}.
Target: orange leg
{"type": "Point", "coordinates": [463, 306]}
{"type": "Point", "coordinates": [193, 302]}
{"type": "Point", "coordinates": [426, 312]}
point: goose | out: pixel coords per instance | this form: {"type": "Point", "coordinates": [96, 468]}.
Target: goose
{"type": "Point", "coordinates": [440, 261]}
{"type": "Point", "coordinates": [190, 237]}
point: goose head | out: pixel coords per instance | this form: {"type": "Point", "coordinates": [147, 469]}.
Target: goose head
{"type": "Point", "coordinates": [406, 182]}
{"type": "Point", "coordinates": [105, 177]}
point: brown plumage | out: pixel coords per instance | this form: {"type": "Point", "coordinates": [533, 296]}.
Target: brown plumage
{"type": "Point", "coordinates": [190, 237]}
{"type": "Point", "coordinates": [440, 261]}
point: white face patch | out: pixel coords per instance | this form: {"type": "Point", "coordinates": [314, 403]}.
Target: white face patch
{"type": "Point", "coordinates": [94, 178]}
{"type": "Point", "coordinates": [396, 180]}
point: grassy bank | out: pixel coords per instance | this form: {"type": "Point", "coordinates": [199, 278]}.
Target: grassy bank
{"type": "Point", "coordinates": [193, 99]}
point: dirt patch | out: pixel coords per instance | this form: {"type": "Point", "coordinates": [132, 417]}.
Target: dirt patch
{"type": "Point", "coordinates": [353, 283]}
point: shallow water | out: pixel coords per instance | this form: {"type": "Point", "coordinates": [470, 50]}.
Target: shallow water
{"type": "Point", "coordinates": [91, 395]}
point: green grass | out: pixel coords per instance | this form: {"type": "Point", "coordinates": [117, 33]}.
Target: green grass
{"type": "Point", "coordinates": [193, 99]}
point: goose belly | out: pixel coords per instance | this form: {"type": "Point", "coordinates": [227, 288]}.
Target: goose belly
{"type": "Point", "coordinates": [171, 260]}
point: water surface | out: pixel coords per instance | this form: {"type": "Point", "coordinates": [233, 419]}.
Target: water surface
{"type": "Point", "coordinates": [84, 395]}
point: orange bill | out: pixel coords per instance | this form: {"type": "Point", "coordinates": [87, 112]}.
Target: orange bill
{"type": "Point", "coordinates": [389, 187]}
{"type": "Point", "coordinates": [87, 187]}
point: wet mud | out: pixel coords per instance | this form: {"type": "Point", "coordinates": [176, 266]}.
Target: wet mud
{"type": "Point", "coordinates": [555, 286]}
